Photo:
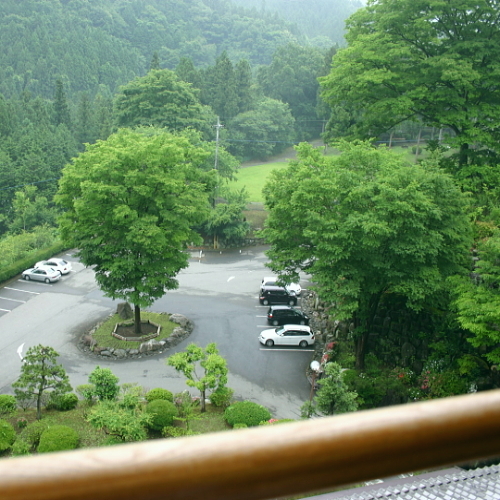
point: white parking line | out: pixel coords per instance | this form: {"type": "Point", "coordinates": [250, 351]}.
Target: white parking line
{"type": "Point", "coordinates": [6, 310]}
{"type": "Point", "coordinates": [13, 300]}
{"type": "Point", "coordinates": [19, 290]}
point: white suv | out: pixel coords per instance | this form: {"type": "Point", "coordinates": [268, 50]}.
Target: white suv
{"type": "Point", "coordinates": [300, 335]}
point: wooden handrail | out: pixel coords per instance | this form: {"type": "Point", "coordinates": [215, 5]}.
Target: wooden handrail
{"type": "Point", "coordinates": [268, 461]}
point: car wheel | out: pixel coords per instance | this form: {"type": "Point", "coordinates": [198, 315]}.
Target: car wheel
{"type": "Point", "coordinates": [303, 343]}
{"type": "Point", "coordinates": [265, 302]}
{"type": "Point", "coordinates": [276, 322]}
{"type": "Point", "coordinates": [269, 343]}
{"type": "Point", "coordinates": [302, 322]}
{"type": "Point", "coordinates": [26, 277]}
{"type": "Point", "coordinates": [47, 280]}
{"type": "Point", "coordinates": [292, 302]}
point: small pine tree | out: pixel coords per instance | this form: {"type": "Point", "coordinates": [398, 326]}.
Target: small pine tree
{"type": "Point", "coordinates": [40, 373]}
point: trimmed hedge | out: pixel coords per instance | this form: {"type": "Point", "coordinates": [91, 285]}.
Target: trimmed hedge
{"type": "Point", "coordinates": [246, 412]}
{"type": "Point", "coordinates": [7, 435]}
{"type": "Point", "coordinates": [58, 438]}
{"type": "Point", "coordinates": [163, 413]}
{"type": "Point", "coordinates": [21, 265]}
{"type": "Point", "coordinates": [159, 393]}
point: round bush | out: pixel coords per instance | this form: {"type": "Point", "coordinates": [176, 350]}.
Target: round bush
{"type": "Point", "coordinates": [20, 447]}
{"type": "Point", "coordinates": [163, 413]}
{"type": "Point", "coordinates": [221, 397]}
{"type": "Point", "coordinates": [58, 438]}
{"type": "Point", "coordinates": [64, 402]}
{"type": "Point", "coordinates": [33, 432]}
{"type": "Point", "coordinates": [7, 435]}
{"type": "Point", "coordinates": [159, 393]}
{"type": "Point", "coordinates": [246, 412]}
{"type": "Point", "coordinates": [8, 404]}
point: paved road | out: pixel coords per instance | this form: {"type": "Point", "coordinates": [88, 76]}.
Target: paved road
{"type": "Point", "coordinates": [218, 291]}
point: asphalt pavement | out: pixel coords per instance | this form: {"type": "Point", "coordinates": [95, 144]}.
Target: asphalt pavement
{"type": "Point", "coordinates": [218, 292]}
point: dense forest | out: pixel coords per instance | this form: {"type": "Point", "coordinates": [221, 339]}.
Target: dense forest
{"type": "Point", "coordinates": [68, 67]}
{"type": "Point", "coordinates": [322, 21]}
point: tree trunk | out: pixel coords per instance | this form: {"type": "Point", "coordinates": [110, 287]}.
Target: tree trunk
{"type": "Point", "coordinates": [39, 405]}
{"type": "Point", "coordinates": [360, 350]}
{"type": "Point", "coordinates": [202, 402]}
{"type": "Point", "coordinates": [137, 319]}
{"type": "Point", "coordinates": [463, 157]}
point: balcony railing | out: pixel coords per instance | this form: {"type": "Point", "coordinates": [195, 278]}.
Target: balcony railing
{"type": "Point", "coordinates": [269, 461]}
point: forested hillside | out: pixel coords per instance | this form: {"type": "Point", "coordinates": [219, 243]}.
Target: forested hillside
{"type": "Point", "coordinates": [104, 44]}
{"type": "Point", "coordinates": [322, 21]}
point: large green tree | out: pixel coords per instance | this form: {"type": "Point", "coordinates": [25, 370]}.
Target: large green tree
{"type": "Point", "coordinates": [41, 373]}
{"type": "Point", "coordinates": [367, 226]}
{"type": "Point", "coordinates": [130, 203]}
{"type": "Point", "coordinates": [161, 99]}
{"type": "Point", "coordinates": [437, 61]}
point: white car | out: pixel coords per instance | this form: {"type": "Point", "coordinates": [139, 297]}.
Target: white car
{"type": "Point", "coordinates": [42, 273]}
{"type": "Point", "coordinates": [273, 281]}
{"type": "Point", "coordinates": [300, 335]}
{"type": "Point", "coordinates": [60, 265]}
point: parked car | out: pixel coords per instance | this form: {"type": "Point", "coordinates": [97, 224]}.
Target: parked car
{"type": "Point", "coordinates": [276, 295]}
{"type": "Point", "coordinates": [300, 335]}
{"type": "Point", "coordinates": [60, 265]}
{"type": "Point", "coordinates": [286, 315]}
{"type": "Point", "coordinates": [43, 273]}
{"type": "Point", "coordinates": [273, 281]}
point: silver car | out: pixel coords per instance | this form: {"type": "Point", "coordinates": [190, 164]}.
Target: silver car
{"type": "Point", "coordinates": [61, 265]}
{"type": "Point", "coordinates": [42, 273]}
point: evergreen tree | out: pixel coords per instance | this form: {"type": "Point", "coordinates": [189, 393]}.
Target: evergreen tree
{"type": "Point", "coordinates": [40, 373]}
{"type": "Point", "coordinates": [61, 107]}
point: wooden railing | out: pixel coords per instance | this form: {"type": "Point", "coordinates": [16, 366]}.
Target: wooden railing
{"type": "Point", "coordinates": [269, 461]}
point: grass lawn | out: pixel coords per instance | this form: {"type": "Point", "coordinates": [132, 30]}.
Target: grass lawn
{"type": "Point", "coordinates": [254, 178]}
{"type": "Point", "coordinates": [104, 338]}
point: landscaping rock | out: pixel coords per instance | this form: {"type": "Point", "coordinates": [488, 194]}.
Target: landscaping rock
{"type": "Point", "coordinates": [124, 310]}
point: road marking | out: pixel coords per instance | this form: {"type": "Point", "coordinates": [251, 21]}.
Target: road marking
{"type": "Point", "coordinates": [13, 300]}
{"type": "Point", "coordinates": [6, 310]}
{"type": "Point", "coordinates": [230, 278]}
{"type": "Point", "coordinates": [20, 351]}
{"type": "Point", "coordinates": [19, 290]}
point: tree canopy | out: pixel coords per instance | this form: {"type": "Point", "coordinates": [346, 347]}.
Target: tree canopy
{"type": "Point", "coordinates": [432, 60]}
{"type": "Point", "coordinates": [368, 227]}
{"type": "Point", "coordinates": [130, 203]}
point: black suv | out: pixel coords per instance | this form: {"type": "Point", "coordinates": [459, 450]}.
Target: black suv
{"type": "Point", "coordinates": [286, 315]}
{"type": "Point", "coordinates": [276, 295]}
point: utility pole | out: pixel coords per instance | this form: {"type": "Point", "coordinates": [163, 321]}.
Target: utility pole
{"type": "Point", "coordinates": [217, 128]}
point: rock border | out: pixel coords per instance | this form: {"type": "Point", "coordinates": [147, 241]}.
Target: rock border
{"type": "Point", "coordinates": [87, 344]}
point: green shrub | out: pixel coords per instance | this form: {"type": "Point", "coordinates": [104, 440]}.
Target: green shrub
{"type": "Point", "coordinates": [246, 412]}
{"type": "Point", "coordinates": [172, 432]}
{"type": "Point", "coordinates": [22, 422]}
{"type": "Point", "coordinates": [32, 433]}
{"type": "Point", "coordinates": [163, 413]}
{"type": "Point", "coordinates": [105, 383]}
{"type": "Point", "coordinates": [58, 438]}
{"type": "Point", "coordinates": [8, 404]}
{"type": "Point", "coordinates": [20, 447]}
{"type": "Point", "coordinates": [274, 421]}
{"type": "Point", "coordinates": [159, 393]}
{"type": "Point", "coordinates": [222, 397]}
{"type": "Point", "coordinates": [86, 391]}
{"type": "Point", "coordinates": [240, 426]}
{"type": "Point", "coordinates": [7, 435]}
{"type": "Point", "coordinates": [63, 402]}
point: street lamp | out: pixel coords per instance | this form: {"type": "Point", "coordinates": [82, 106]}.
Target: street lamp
{"type": "Point", "coordinates": [315, 366]}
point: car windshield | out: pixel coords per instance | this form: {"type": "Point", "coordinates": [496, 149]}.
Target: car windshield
{"type": "Point", "coordinates": [279, 331]}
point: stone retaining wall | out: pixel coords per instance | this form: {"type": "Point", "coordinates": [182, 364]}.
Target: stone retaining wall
{"type": "Point", "coordinates": [149, 348]}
